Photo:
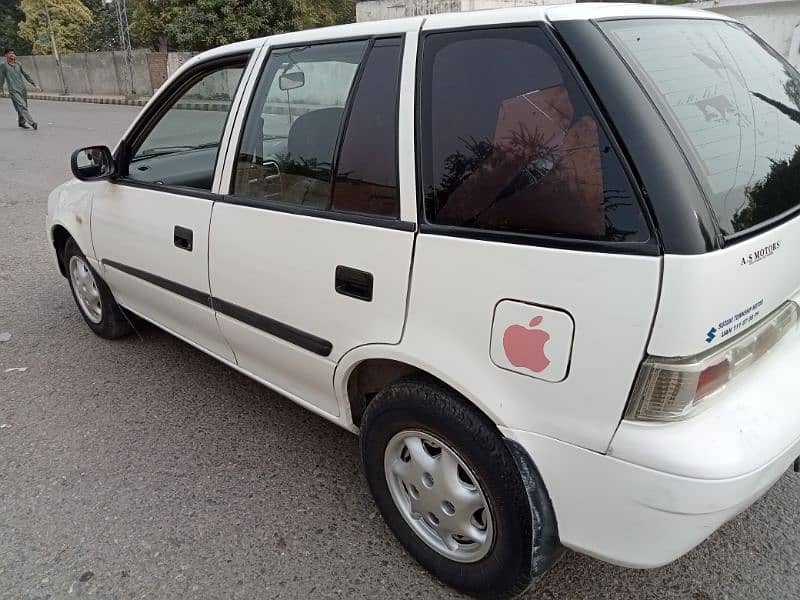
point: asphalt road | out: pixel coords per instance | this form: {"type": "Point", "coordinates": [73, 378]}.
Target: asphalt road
{"type": "Point", "coordinates": [144, 469]}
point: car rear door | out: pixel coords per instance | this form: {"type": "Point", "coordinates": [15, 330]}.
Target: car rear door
{"type": "Point", "coordinates": [309, 254]}
{"type": "Point", "coordinates": [150, 225]}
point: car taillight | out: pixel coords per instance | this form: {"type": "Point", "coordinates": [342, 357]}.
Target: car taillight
{"type": "Point", "coordinates": [672, 389]}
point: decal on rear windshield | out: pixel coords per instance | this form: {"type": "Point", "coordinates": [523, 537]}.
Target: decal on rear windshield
{"type": "Point", "coordinates": [760, 254]}
{"type": "Point", "coordinates": [735, 322]}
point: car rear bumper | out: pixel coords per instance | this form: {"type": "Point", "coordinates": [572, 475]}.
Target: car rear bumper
{"type": "Point", "coordinates": [746, 425]}
{"type": "Point", "coordinates": [662, 488]}
{"type": "Point", "coordinates": [635, 516]}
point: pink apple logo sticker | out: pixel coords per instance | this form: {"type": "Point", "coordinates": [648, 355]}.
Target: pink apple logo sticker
{"type": "Point", "coordinates": [524, 347]}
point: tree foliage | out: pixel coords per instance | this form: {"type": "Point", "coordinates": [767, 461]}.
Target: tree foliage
{"type": "Point", "coordinates": [772, 195]}
{"type": "Point", "coordinates": [102, 34]}
{"type": "Point", "coordinates": [149, 20]}
{"type": "Point", "coordinates": [10, 16]}
{"type": "Point", "coordinates": [777, 191]}
{"type": "Point", "coordinates": [209, 23]}
{"type": "Point", "coordinates": [316, 13]}
{"type": "Point", "coordinates": [91, 25]}
{"type": "Point", "coordinates": [71, 20]}
{"type": "Point", "coordinates": [204, 24]}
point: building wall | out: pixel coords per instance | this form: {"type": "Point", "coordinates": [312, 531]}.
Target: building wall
{"type": "Point", "coordinates": [157, 65]}
{"type": "Point", "coordinates": [375, 10]}
{"type": "Point", "coordinates": [102, 73]}
{"type": "Point", "coordinates": [175, 60]}
{"type": "Point", "coordinates": [776, 21]}
{"type": "Point", "coordinates": [99, 73]}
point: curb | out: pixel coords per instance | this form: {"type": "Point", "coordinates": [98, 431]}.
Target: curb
{"type": "Point", "coordinates": [89, 99]}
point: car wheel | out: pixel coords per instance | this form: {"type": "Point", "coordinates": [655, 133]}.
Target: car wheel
{"type": "Point", "coordinates": [452, 491]}
{"type": "Point", "coordinates": [95, 301]}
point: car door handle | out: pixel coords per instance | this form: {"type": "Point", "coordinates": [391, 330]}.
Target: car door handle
{"type": "Point", "coordinates": [354, 283]}
{"type": "Point", "coordinates": [183, 238]}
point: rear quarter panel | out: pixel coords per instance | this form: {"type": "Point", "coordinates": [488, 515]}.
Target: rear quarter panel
{"type": "Point", "coordinates": [456, 284]}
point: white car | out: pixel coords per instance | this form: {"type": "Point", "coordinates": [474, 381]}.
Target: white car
{"type": "Point", "coordinates": [544, 261]}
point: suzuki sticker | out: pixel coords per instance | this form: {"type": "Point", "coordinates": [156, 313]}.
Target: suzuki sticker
{"type": "Point", "coordinates": [735, 323]}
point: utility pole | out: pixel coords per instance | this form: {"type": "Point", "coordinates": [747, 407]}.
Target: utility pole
{"type": "Point", "coordinates": [125, 43]}
{"type": "Point", "coordinates": [61, 78]}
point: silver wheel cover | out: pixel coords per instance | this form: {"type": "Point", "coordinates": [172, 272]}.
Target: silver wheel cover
{"type": "Point", "coordinates": [86, 291]}
{"type": "Point", "coordinates": [439, 496]}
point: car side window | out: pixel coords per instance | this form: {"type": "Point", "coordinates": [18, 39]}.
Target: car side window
{"type": "Point", "coordinates": [366, 171]}
{"type": "Point", "coordinates": [510, 144]}
{"type": "Point", "coordinates": [288, 152]}
{"type": "Point", "coordinates": [181, 148]}
{"type": "Point", "coordinates": [287, 149]}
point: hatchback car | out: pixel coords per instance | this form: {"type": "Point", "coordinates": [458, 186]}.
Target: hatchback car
{"type": "Point", "coordinates": [544, 261]}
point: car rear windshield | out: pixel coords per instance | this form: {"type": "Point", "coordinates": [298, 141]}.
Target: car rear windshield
{"type": "Point", "coordinates": [735, 107]}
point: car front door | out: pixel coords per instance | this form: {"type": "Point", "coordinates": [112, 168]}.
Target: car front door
{"type": "Point", "coordinates": [310, 252]}
{"type": "Point", "coordinates": [150, 225]}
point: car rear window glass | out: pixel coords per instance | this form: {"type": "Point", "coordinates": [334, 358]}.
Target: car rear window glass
{"type": "Point", "coordinates": [510, 144]}
{"type": "Point", "coordinates": [734, 104]}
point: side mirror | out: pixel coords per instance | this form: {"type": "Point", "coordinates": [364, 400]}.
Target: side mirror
{"type": "Point", "coordinates": [291, 81]}
{"type": "Point", "coordinates": [93, 163]}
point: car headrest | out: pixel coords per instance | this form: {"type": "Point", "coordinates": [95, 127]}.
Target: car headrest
{"type": "Point", "coordinates": [313, 135]}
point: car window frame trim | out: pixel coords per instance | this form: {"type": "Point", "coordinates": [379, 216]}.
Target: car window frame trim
{"type": "Point", "coordinates": [319, 213]}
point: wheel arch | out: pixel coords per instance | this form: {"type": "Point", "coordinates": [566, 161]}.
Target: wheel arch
{"type": "Point", "coordinates": [365, 370]}
{"type": "Point", "coordinates": [59, 236]}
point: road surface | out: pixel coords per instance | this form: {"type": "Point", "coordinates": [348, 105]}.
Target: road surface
{"type": "Point", "coordinates": [143, 468]}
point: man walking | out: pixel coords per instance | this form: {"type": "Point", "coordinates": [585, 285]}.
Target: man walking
{"type": "Point", "coordinates": [12, 73]}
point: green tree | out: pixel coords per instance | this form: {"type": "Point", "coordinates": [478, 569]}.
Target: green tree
{"type": "Point", "coordinates": [184, 25]}
{"type": "Point", "coordinates": [777, 191]}
{"type": "Point", "coordinates": [319, 13]}
{"type": "Point", "coordinates": [208, 23]}
{"type": "Point", "coordinates": [103, 34]}
{"type": "Point", "coordinates": [772, 195]}
{"type": "Point", "coordinates": [71, 22]}
{"type": "Point", "coordinates": [149, 20]}
{"type": "Point", "coordinates": [10, 16]}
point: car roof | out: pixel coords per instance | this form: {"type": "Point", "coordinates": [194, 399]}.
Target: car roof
{"type": "Point", "coordinates": [564, 12]}
{"type": "Point", "coordinates": [622, 10]}
{"type": "Point", "coordinates": [520, 14]}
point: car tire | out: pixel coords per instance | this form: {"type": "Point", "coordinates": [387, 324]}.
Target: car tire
{"type": "Point", "coordinates": [95, 301]}
{"type": "Point", "coordinates": [400, 431]}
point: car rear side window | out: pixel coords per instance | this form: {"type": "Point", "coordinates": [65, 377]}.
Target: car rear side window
{"type": "Point", "coordinates": [735, 106]}
{"type": "Point", "coordinates": [510, 144]}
